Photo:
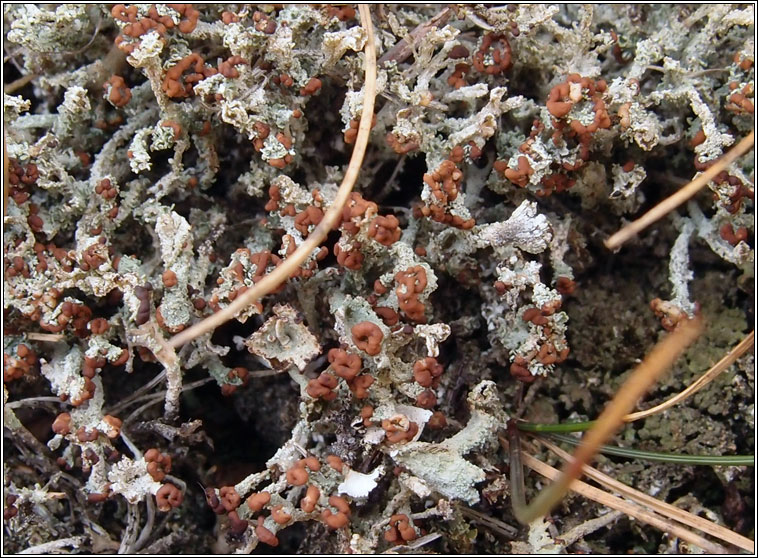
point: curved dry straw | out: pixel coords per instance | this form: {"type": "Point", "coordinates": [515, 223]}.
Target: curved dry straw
{"type": "Point", "coordinates": [701, 382]}
{"type": "Point", "coordinates": [271, 281]}
{"type": "Point", "coordinates": [681, 196]}
{"type": "Point", "coordinates": [712, 373]}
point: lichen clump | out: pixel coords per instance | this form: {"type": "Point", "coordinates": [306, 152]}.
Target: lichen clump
{"type": "Point", "coordinates": [162, 159]}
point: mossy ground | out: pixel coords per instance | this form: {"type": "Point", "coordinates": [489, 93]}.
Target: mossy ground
{"type": "Point", "coordinates": [611, 326]}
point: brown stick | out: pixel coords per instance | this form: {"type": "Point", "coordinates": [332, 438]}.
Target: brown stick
{"type": "Point", "coordinates": [403, 48]}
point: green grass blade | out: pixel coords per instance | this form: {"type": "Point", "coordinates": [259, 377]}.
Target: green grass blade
{"type": "Point", "coordinates": [665, 457]}
{"type": "Point", "coordinates": [559, 428]}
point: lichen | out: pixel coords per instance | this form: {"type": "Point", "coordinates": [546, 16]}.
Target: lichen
{"type": "Point", "coordinates": [164, 159]}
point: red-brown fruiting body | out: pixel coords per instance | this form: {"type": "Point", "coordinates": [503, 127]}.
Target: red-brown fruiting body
{"type": "Point", "coordinates": [733, 237]}
{"type": "Point", "coordinates": [669, 314]}
{"type": "Point", "coordinates": [457, 78]}
{"type": "Point", "coordinates": [351, 259]}
{"type": "Point", "coordinates": [367, 411]}
{"type": "Point", "coordinates": [501, 58]}
{"type": "Point", "coordinates": [175, 127]}
{"type": "Point", "coordinates": [120, 94]}
{"type": "Point", "coordinates": [399, 429]}
{"type": "Point", "coordinates": [279, 515]}
{"type": "Point", "coordinates": [167, 497]}
{"type": "Point", "coordinates": [309, 501]}
{"type": "Point", "coordinates": [427, 372]}
{"type": "Point", "coordinates": [158, 464]}
{"type": "Point", "coordinates": [519, 370]}
{"type": "Point", "coordinates": [437, 420]}
{"type": "Point", "coordinates": [297, 475]}
{"type": "Point", "coordinates": [360, 384]}
{"type": "Point", "coordinates": [257, 500]}
{"type": "Point", "coordinates": [334, 520]}
{"type": "Point", "coordinates": [367, 336]}
{"type": "Point", "coordinates": [387, 314]}
{"type": "Point", "coordinates": [229, 498]}
{"type": "Point", "coordinates": [264, 535]}
{"type": "Point", "coordinates": [313, 85]}
{"type": "Point", "coordinates": [565, 286]}
{"type": "Point", "coordinates": [400, 529]}
{"type": "Point", "coordinates": [114, 427]}
{"type": "Point", "coordinates": [345, 365]}
{"type": "Point", "coordinates": [62, 424]}
{"type": "Point", "coordinates": [335, 463]}
{"type": "Point", "coordinates": [237, 526]}
{"type": "Point", "coordinates": [321, 387]}
{"type": "Point", "coordinates": [385, 230]}
{"type": "Point", "coordinates": [426, 399]}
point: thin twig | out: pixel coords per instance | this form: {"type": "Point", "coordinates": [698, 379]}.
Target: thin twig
{"type": "Point", "coordinates": [264, 373]}
{"type": "Point", "coordinates": [271, 281]}
{"type": "Point", "coordinates": [34, 401]}
{"type": "Point", "coordinates": [681, 196]}
{"type": "Point", "coordinates": [48, 337]}
{"type": "Point", "coordinates": [493, 523]}
{"type": "Point", "coordinates": [696, 386]}
{"type": "Point", "coordinates": [518, 495]}
{"type": "Point", "coordinates": [147, 529]}
{"type": "Point", "coordinates": [167, 357]}
{"type": "Point", "coordinates": [17, 84]}
{"type": "Point", "coordinates": [138, 393]}
{"type": "Point", "coordinates": [156, 397]}
{"type": "Point", "coordinates": [130, 532]}
{"type": "Point", "coordinates": [413, 545]}
{"type": "Point", "coordinates": [129, 444]}
{"type": "Point", "coordinates": [661, 507]}
{"type": "Point", "coordinates": [53, 546]}
{"type": "Point", "coordinates": [6, 176]}
{"type": "Point", "coordinates": [162, 545]}
{"type": "Point", "coordinates": [403, 49]}
{"type": "Point", "coordinates": [663, 457]}
{"type": "Point", "coordinates": [658, 361]}
{"type": "Point", "coordinates": [590, 526]}
{"type": "Point", "coordinates": [89, 44]}
{"type": "Point", "coordinates": [390, 185]}
{"type": "Point", "coordinates": [136, 412]}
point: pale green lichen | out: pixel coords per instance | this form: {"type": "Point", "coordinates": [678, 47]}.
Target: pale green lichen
{"type": "Point", "coordinates": [192, 203]}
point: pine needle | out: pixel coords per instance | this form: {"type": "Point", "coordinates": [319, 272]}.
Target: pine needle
{"type": "Point", "coordinates": [271, 281]}
{"type": "Point", "coordinates": [616, 503]}
{"type": "Point", "coordinates": [658, 361]}
{"type": "Point", "coordinates": [701, 382]}
{"type": "Point", "coordinates": [659, 506]}
{"type": "Point", "coordinates": [715, 370]}
{"type": "Point", "coordinates": [681, 196]}
{"type": "Point", "coordinates": [682, 458]}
